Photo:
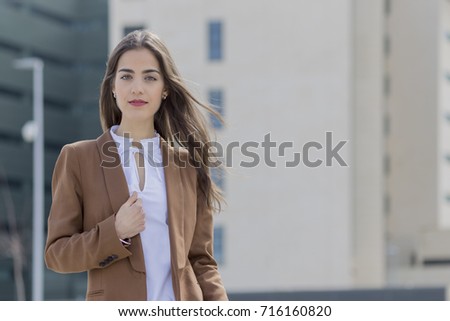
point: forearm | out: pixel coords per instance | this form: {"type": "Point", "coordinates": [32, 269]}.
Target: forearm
{"type": "Point", "coordinates": [210, 281]}
{"type": "Point", "coordinates": [202, 259]}
{"type": "Point", "coordinates": [68, 252]}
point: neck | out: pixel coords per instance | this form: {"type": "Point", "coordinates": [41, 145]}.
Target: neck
{"type": "Point", "coordinates": [136, 132]}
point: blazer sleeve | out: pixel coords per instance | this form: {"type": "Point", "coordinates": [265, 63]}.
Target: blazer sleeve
{"type": "Point", "coordinates": [69, 248]}
{"type": "Point", "coordinates": [201, 255]}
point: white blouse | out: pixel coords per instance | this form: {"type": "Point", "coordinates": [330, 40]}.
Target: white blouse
{"type": "Point", "coordinates": [155, 237]}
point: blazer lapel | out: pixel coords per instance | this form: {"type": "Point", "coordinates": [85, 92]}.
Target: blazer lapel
{"type": "Point", "coordinates": [118, 193]}
{"type": "Point", "coordinates": [117, 188]}
{"type": "Point", "coordinates": [175, 208]}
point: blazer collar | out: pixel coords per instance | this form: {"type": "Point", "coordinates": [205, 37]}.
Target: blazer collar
{"type": "Point", "coordinates": [118, 193]}
{"type": "Point", "coordinates": [175, 204]}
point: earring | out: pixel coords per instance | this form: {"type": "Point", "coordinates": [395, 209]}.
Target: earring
{"type": "Point", "coordinates": [164, 96]}
{"type": "Point", "coordinates": [114, 94]}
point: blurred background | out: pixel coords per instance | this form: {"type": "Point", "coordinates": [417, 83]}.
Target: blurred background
{"type": "Point", "coordinates": [374, 73]}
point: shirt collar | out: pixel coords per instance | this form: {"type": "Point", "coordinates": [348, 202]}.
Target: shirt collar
{"type": "Point", "coordinates": [151, 147]}
{"type": "Point", "coordinates": [125, 142]}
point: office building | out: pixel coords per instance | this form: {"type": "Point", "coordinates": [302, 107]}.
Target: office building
{"type": "Point", "coordinates": [71, 39]}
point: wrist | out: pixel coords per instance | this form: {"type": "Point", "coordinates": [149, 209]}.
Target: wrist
{"type": "Point", "coordinates": [125, 241]}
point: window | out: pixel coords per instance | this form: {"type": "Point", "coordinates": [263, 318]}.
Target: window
{"type": "Point", "coordinates": [387, 85]}
{"type": "Point", "coordinates": [215, 97]}
{"type": "Point", "coordinates": [215, 40]}
{"type": "Point", "coordinates": [219, 254]}
{"type": "Point", "coordinates": [387, 45]}
{"type": "Point", "coordinates": [387, 7]}
{"type": "Point", "coordinates": [386, 125]}
{"type": "Point", "coordinates": [387, 204]}
{"type": "Point", "coordinates": [387, 164]}
{"type": "Point", "coordinates": [128, 29]}
{"type": "Point", "coordinates": [447, 157]}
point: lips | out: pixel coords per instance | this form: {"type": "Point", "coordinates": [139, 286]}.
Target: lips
{"type": "Point", "coordinates": [137, 102]}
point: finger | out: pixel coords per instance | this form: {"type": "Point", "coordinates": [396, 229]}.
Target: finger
{"type": "Point", "coordinates": [138, 203]}
{"type": "Point", "coordinates": [132, 199]}
{"type": "Point", "coordinates": [136, 208]}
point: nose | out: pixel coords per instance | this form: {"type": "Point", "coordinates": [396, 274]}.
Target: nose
{"type": "Point", "coordinates": [136, 89]}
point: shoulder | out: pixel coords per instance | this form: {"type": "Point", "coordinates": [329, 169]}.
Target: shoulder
{"type": "Point", "coordinates": [86, 146]}
{"type": "Point", "coordinates": [71, 154]}
{"type": "Point", "coordinates": [79, 148]}
{"type": "Point", "coordinates": [175, 154]}
{"type": "Point", "coordinates": [180, 158]}
{"type": "Point", "coordinates": [81, 145]}
{"type": "Point", "coordinates": [80, 152]}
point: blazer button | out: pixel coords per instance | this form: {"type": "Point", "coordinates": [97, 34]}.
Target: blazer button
{"type": "Point", "coordinates": [111, 258]}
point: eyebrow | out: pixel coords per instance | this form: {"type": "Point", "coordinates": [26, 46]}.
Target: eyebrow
{"type": "Point", "coordinates": [146, 71]}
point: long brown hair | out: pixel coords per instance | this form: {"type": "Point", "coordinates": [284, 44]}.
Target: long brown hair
{"type": "Point", "coordinates": [178, 120]}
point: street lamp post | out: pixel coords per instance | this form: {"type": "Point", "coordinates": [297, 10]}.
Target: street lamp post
{"type": "Point", "coordinates": [37, 66]}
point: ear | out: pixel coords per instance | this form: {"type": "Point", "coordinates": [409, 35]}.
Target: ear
{"type": "Point", "coordinates": [165, 93]}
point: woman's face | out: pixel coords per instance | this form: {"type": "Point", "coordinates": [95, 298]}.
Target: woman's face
{"type": "Point", "coordinates": [138, 86]}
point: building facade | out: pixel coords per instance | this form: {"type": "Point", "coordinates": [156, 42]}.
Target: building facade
{"type": "Point", "coordinates": [71, 39]}
{"type": "Point", "coordinates": [336, 136]}
{"type": "Point", "coordinates": [374, 74]}
{"type": "Point", "coordinates": [417, 87]}
{"type": "Point", "coordinates": [283, 78]}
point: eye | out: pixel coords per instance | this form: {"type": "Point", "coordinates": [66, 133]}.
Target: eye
{"type": "Point", "coordinates": [150, 78]}
{"type": "Point", "coordinates": [125, 77]}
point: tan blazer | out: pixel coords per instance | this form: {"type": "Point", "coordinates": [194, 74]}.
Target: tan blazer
{"type": "Point", "coordinates": [88, 188]}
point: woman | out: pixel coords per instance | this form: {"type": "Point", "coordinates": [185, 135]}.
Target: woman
{"type": "Point", "coordinates": [134, 207]}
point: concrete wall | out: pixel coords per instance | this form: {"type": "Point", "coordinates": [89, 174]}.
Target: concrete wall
{"type": "Point", "coordinates": [287, 71]}
{"type": "Point", "coordinates": [369, 116]}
